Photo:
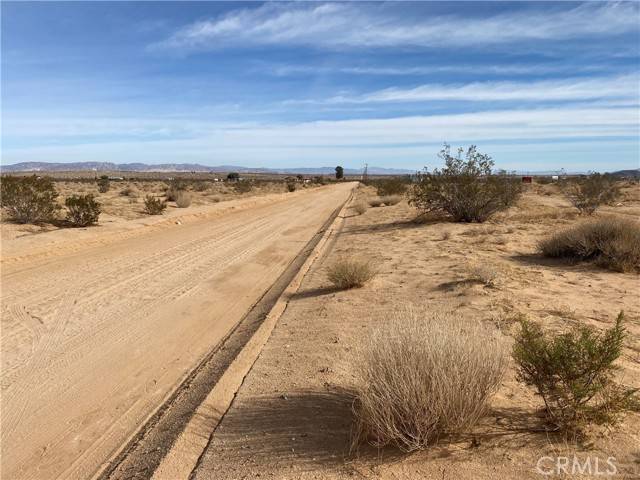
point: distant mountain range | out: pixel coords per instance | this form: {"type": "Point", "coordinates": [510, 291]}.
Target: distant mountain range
{"type": "Point", "coordinates": [194, 167]}
{"type": "Point", "coordinates": [186, 167]}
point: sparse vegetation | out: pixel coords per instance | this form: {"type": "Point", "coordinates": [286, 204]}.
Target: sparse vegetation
{"type": "Point", "coordinates": [483, 273]}
{"type": "Point", "coordinates": [242, 187]}
{"type": "Point", "coordinates": [103, 184]}
{"type": "Point", "coordinates": [129, 192]}
{"type": "Point", "coordinates": [612, 242]}
{"type": "Point", "coordinates": [589, 193]}
{"type": "Point", "coordinates": [183, 199]}
{"type": "Point", "coordinates": [83, 210]}
{"type": "Point", "coordinates": [573, 372]}
{"type": "Point", "coordinates": [350, 273]}
{"type": "Point", "coordinates": [360, 207]}
{"type": "Point", "coordinates": [291, 187]}
{"type": "Point", "coordinates": [423, 375]}
{"type": "Point", "coordinates": [233, 176]}
{"type": "Point", "coordinates": [464, 189]}
{"type": "Point", "coordinates": [174, 188]}
{"type": "Point", "coordinates": [391, 186]}
{"type": "Point", "coordinates": [154, 205]}
{"type": "Point", "coordinates": [391, 199]}
{"type": "Point", "coordinates": [375, 202]}
{"type": "Point", "coordinates": [29, 199]}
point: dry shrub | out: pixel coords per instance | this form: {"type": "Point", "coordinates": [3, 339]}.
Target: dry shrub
{"type": "Point", "coordinates": [29, 199]}
{"type": "Point", "coordinates": [82, 210]}
{"type": "Point", "coordinates": [360, 207]}
{"type": "Point", "coordinates": [485, 274]}
{"type": "Point", "coordinates": [375, 202]}
{"type": "Point", "coordinates": [391, 199]}
{"type": "Point", "coordinates": [422, 375]}
{"type": "Point", "coordinates": [350, 273]}
{"type": "Point", "coordinates": [391, 186]}
{"type": "Point", "coordinates": [153, 205]}
{"type": "Point", "coordinates": [612, 242]}
{"type": "Point", "coordinates": [183, 199]}
{"type": "Point", "coordinates": [129, 192]}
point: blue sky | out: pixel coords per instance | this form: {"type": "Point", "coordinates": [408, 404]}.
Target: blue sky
{"type": "Point", "coordinates": [536, 85]}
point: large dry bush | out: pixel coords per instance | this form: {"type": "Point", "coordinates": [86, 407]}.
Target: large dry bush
{"type": "Point", "coordinates": [464, 189]}
{"type": "Point", "coordinates": [29, 199]}
{"type": "Point", "coordinates": [612, 242]}
{"type": "Point", "coordinates": [573, 372]}
{"type": "Point", "coordinates": [183, 199]}
{"type": "Point", "coordinates": [348, 273]}
{"type": "Point", "coordinates": [587, 194]}
{"type": "Point", "coordinates": [422, 375]}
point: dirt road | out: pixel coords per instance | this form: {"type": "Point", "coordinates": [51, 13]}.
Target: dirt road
{"type": "Point", "coordinates": [94, 339]}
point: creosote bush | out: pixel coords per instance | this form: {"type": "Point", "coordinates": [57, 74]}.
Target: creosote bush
{"type": "Point", "coordinates": [350, 273]}
{"type": "Point", "coordinates": [82, 210]}
{"type": "Point", "coordinates": [153, 205]}
{"type": "Point", "coordinates": [391, 185]}
{"type": "Point", "coordinates": [422, 375]}
{"type": "Point", "coordinates": [103, 183]}
{"type": "Point", "coordinates": [611, 242]}
{"type": "Point", "coordinates": [464, 189]}
{"type": "Point", "coordinates": [574, 373]}
{"type": "Point", "coordinates": [29, 199]}
{"type": "Point", "coordinates": [589, 193]}
{"type": "Point", "coordinates": [183, 199]}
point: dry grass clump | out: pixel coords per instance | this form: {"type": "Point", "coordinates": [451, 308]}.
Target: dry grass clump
{"type": "Point", "coordinates": [612, 242]}
{"type": "Point", "coordinates": [375, 202]}
{"type": "Point", "coordinates": [183, 199]}
{"type": "Point", "coordinates": [129, 192]}
{"type": "Point", "coordinates": [391, 199]}
{"type": "Point", "coordinates": [360, 207]}
{"type": "Point", "coordinates": [485, 274]}
{"type": "Point", "coordinates": [350, 273]}
{"type": "Point", "coordinates": [422, 375]}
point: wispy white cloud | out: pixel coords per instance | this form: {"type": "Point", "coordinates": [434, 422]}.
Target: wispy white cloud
{"type": "Point", "coordinates": [626, 87]}
{"type": "Point", "coordinates": [282, 70]}
{"type": "Point", "coordinates": [336, 25]}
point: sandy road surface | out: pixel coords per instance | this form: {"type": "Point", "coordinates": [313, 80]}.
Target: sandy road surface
{"type": "Point", "coordinates": [94, 340]}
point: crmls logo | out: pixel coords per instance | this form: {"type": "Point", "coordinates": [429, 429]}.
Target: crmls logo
{"type": "Point", "coordinates": [576, 466]}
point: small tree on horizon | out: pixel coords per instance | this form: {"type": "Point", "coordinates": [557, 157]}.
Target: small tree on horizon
{"type": "Point", "coordinates": [339, 172]}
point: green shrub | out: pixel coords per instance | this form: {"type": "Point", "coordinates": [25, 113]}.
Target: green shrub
{"type": "Point", "coordinates": [350, 273]}
{"type": "Point", "coordinates": [391, 185]}
{"type": "Point", "coordinates": [103, 183]}
{"type": "Point", "coordinates": [464, 189]}
{"type": "Point", "coordinates": [83, 210]}
{"type": "Point", "coordinates": [612, 242]}
{"type": "Point", "coordinates": [29, 199]}
{"type": "Point", "coordinates": [153, 205]}
{"type": "Point", "coordinates": [291, 186]}
{"type": "Point", "coordinates": [589, 193]}
{"type": "Point", "coordinates": [574, 373]}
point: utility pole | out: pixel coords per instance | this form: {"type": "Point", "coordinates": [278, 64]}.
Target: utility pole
{"type": "Point", "coordinates": [365, 175]}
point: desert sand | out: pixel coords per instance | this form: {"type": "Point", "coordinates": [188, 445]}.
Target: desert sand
{"type": "Point", "coordinates": [292, 417]}
{"type": "Point", "coordinates": [99, 325]}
